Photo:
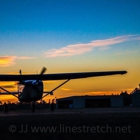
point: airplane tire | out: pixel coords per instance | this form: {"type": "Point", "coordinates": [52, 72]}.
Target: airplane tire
{"type": "Point", "coordinates": [5, 108]}
{"type": "Point", "coordinates": [33, 107]}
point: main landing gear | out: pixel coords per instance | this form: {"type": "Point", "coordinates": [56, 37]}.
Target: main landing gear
{"type": "Point", "coordinates": [33, 106]}
{"type": "Point", "coordinates": [5, 107]}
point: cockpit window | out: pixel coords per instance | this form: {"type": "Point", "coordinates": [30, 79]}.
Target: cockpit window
{"type": "Point", "coordinates": [20, 88]}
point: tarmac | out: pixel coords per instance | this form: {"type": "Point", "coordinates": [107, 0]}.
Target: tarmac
{"type": "Point", "coordinates": [71, 111]}
{"type": "Point", "coordinates": [71, 124]}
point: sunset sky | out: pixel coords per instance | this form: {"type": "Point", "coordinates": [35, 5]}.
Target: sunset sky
{"type": "Point", "coordinates": [71, 36]}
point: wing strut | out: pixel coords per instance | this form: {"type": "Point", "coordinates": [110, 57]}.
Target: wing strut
{"type": "Point", "coordinates": [51, 92]}
{"type": "Point", "coordinates": [8, 92]}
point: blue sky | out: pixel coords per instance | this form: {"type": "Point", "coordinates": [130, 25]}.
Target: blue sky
{"type": "Point", "coordinates": [56, 23]}
{"type": "Point", "coordinates": [85, 19]}
{"type": "Point", "coordinates": [71, 35]}
{"type": "Point", "coordinates": [70, 15]}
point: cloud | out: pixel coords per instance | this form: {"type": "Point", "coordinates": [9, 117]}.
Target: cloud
{"type": "Point", "coordinates": [77, 49]}
{"type": "Point", "coordinates": [25, 57]}
{"type": "Point", "coordinates": [6, 61]}
{"type": "Point", "coordinates": [66, 89]}
{"type": "Point", "coordinates": [49, 82]}
{"type": "Point", "coordinates": [11, 86]}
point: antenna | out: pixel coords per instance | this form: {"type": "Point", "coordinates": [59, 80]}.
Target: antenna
{"type": "Point", "coordinates": [20, 72]}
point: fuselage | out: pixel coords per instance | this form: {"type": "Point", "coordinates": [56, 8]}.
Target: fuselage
{"type": "Point", "coordinates": [30, 90]}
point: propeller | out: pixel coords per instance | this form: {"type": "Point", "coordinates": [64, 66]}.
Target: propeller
{"type": "Point", "coordinates": [43, 71]}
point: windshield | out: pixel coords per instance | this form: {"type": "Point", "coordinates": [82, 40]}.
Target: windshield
{"type": "Point", "coordinates": [20, 88]}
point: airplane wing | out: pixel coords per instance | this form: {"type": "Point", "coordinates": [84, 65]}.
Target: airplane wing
{"type": "Point", "coordinates": [58, 76]}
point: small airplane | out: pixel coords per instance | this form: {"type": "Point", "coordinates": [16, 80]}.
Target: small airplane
{"type": "Point", "coordinates": [30, 87]}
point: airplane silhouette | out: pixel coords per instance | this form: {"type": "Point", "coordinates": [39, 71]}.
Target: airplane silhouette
{"type": "Point", "coordinates": [30, 87]}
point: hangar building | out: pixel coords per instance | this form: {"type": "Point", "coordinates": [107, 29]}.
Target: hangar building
{"type": "Point", "coordinates": [90, 101]}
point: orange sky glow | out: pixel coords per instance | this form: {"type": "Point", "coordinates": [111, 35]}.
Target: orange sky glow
{"type": "Point", "coordinates": [71, 36]}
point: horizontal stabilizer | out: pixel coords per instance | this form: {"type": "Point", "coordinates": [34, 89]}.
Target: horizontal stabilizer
{"type": "Point", "coordinates": [5, 93]}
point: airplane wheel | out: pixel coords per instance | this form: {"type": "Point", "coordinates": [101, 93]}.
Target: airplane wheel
{"type": "Point", "coordinates": [5, 108]}
{"type": "Point", "coordinates": [33, 107]}
{"type": "Point", "coordinates": [52, 106]}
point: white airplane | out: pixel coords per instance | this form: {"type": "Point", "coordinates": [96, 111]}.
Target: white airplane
{"type": "Point", "coordinates": [30, 87]}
